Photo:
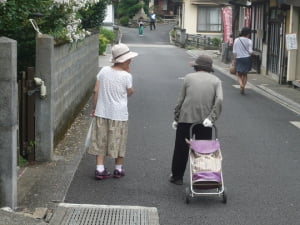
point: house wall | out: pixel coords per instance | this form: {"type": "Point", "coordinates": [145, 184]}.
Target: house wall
{"type": "Point", "coordinates": [190, 15]}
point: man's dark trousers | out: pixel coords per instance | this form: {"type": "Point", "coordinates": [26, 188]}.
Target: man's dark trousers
{"type": "Point", "coordinates": [181, 149]}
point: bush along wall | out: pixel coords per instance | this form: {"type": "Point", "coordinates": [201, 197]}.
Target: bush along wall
{"type": "Point", "coordinates": [106, 37]}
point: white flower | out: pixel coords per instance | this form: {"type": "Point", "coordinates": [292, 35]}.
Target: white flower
{"type": "Point", "coordinates": [74, 32]}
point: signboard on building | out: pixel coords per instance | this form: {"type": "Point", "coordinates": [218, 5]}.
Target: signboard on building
{"type": "Point", "coordinates": [291, 41]}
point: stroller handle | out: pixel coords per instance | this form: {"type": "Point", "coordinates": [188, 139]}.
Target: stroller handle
{"type": "Point", "coordinates": [198, 123]}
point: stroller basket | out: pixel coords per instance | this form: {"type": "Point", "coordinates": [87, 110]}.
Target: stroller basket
{"type": "Point", "coordinates": [205, 158]}
{"type": "Point", "coordinates": [206, 161]}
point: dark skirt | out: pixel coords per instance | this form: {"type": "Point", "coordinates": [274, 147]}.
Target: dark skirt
{"type": "Point", "coordinates": [243, 65]}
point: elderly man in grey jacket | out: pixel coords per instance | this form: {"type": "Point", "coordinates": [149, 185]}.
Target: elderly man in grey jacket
{"type": "Point", "coordinates": [200, 100]}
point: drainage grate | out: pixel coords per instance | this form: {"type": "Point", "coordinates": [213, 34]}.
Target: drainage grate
{"type": "Point", "coordinates": [83, 214]}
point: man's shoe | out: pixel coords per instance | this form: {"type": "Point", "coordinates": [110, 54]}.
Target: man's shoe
{"type": "Point", "coordinates": [176, 181]}
{"type": "Point", "coordinates": [119, 174]}
{"type": "Point", "coordinates": [102, 175]}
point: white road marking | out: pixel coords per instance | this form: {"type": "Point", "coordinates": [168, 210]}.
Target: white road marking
{"type": "Point", "coordinates": [151, 45]}
{"type": "Point", "coordinates": [296, 123]}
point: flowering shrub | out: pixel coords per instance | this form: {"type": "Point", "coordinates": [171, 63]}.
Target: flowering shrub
{"type": "Point", "coordinates": [64, 21]}
{"type": "Point", "coordinates": [74, 31]}
{"type": "Point", "coordinates": [73, 19]}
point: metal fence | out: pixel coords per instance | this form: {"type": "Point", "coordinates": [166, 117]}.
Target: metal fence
{"type": "Point", "coordinates": [195, 40]}
{"type": "Point", "coordinates": [201, 41]}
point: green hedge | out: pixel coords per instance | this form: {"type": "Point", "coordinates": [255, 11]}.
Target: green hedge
{"type": "Point", "coordinates": [106, 37]}
{"type": "Point", "coordinates": [124, 21]}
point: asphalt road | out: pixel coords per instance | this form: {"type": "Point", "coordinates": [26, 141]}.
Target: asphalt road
{"type": "Point", "coordinates": [260, 149]}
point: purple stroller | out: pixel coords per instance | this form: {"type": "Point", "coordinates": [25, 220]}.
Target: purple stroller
{"type": "Point", "coordinates": [205, 161]}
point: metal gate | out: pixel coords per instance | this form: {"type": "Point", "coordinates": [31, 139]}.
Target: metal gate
{"type": "Point", "coordinates": [26, 114]}
{"type": "Point", "coordinates": [277, 57]}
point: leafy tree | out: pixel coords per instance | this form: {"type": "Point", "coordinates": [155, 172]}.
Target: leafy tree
{"type": "Point", "coordinates": [93, 15]}
{"type": "Point", "coordinates": [15, 24]}
{"type": "Point", "coordinates": [128, 8]}
{"type": "Point", "coordinates": [124, 20]}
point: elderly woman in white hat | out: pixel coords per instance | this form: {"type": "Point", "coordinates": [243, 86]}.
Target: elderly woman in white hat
{"type": "Point", "coordinates": [200, 100]}
{"type": "Point", "coordinates": [110, 128]}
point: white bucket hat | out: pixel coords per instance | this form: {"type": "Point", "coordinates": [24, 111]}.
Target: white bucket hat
{"type": "Point", "coordinates": [121, 53]}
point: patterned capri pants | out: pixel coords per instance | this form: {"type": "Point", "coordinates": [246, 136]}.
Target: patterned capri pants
{"type": "Point", "coordinates": [108, 138]}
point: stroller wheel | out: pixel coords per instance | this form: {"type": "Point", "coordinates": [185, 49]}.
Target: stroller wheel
{"type": "Point", "coordinates": [187, 195]}
{"type": "Point", "coordinates": [224, 196]}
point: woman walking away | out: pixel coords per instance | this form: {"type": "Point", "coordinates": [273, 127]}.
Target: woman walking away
{"type": "Point", "coordinates": [242, 51]}
{"type": "Point", "coordinates": [109, 133]}
{"type": "Point", "coordinates": [200, 100]}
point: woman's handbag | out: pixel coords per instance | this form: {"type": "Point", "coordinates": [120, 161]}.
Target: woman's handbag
{"type": "Point", "coordinates": [232, 69]}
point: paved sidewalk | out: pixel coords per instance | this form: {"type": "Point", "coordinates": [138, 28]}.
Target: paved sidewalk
{"type": "Point", "coordinates": [44, 185]}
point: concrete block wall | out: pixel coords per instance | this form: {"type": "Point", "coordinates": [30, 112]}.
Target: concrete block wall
{"type": "Point", "coordinates": [44, 110]}
{"type": "Point", "coordinates": [8, 122]}
{"type": "Point", "coordinates": [69, 72]}
{"type": "Point", "coordinates": [75, 69]}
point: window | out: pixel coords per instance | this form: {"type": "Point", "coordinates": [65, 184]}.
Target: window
{"type": "Point", "coordinates": [209, 19]}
